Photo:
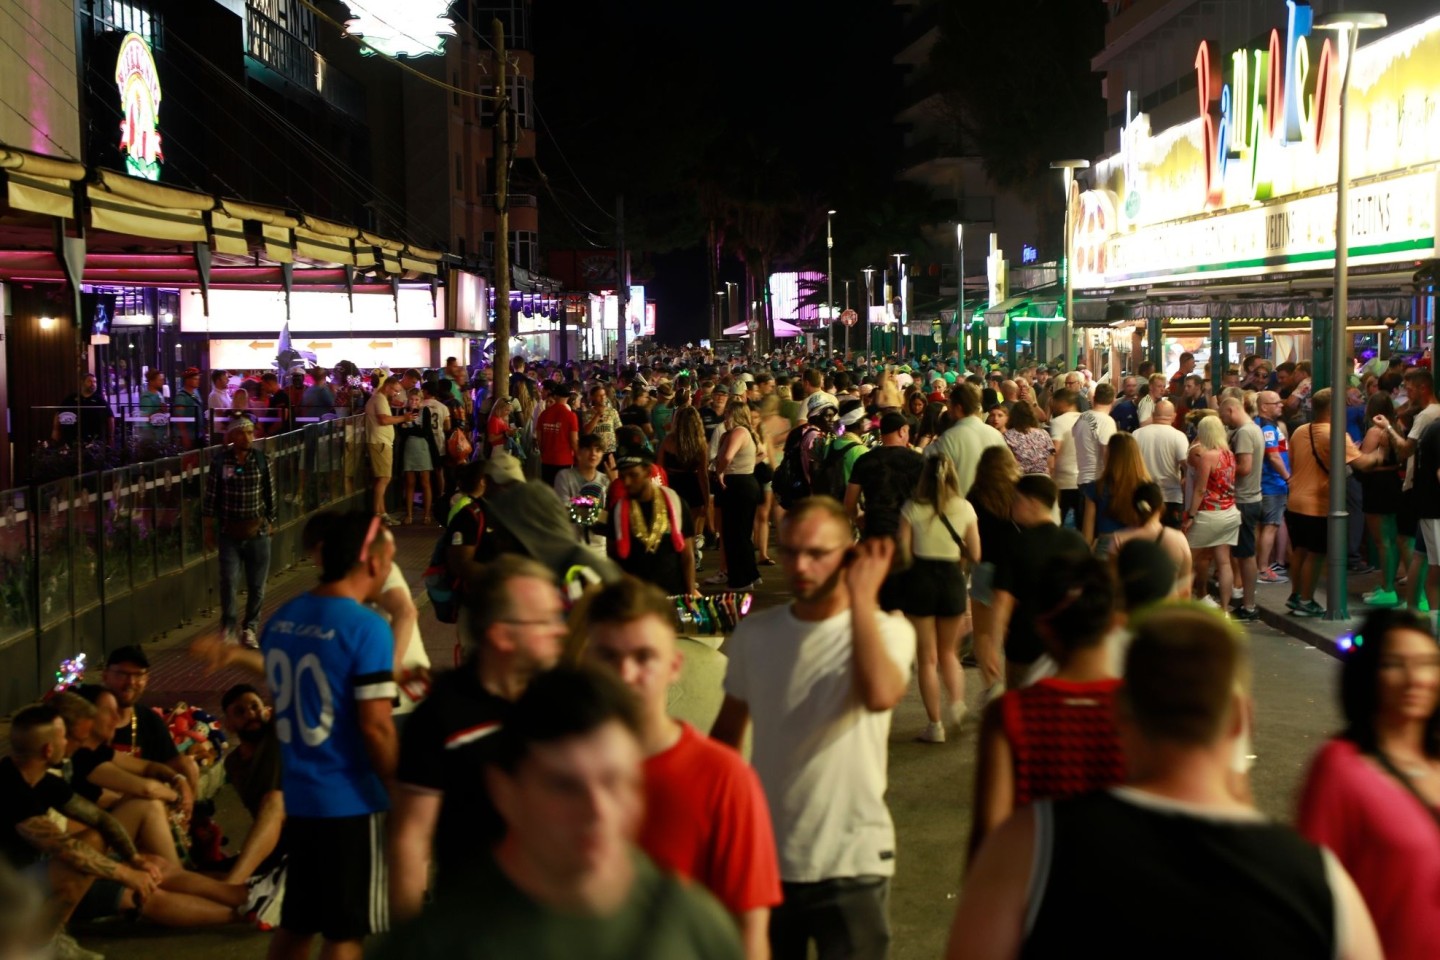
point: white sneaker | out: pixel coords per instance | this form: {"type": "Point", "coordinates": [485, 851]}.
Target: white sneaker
{"type": "Point", "coordinates": [248, 640]}
{"type": "Point", "coordinates": [719, 579]}
{"type": "Point", "coordinates": [1210, 601]}
{"type": "Point", "coordinates": [934, 733]}
{"type": "Point", "coordinates": [955, 712]}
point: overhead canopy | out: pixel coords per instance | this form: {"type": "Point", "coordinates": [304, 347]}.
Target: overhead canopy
{"type": "Point", "coordinates": [783, 330]}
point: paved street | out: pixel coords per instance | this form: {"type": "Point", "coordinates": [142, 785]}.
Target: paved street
{"type": "Point", "coordinates": [930, 785]}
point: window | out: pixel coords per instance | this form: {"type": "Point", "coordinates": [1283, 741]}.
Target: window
{"type": "Point", "coordinates": [127, 17]}
{"type": "Point", "coordinates": [521, 114]}
{"type": "Point", "coordinates": [524, 248]}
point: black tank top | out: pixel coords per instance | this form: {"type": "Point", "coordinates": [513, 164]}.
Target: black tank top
{"type": "Point", "coordinates": [1143, 882]}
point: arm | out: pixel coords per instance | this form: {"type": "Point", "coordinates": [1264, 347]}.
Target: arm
{"type": "Point", "coordinates": [1277, 462]}
{"type": "Point", "coordinates": [852, 502]}
{"type": "Point", "coordinates": [400, 606]}
{"type": "Point", "coordinates": [83, 811]}
{"type": "Point", "coordinates": [729, 727]}
{"type": "Point", "coordinates": [879, 681]}
{"type": "Point", "coordinates": [377, 730]}
{"type": "Point", "coordinates": [971, 550]}
{"type": "Point", "coordinates": [755, 933]}
{"type": "Point", "coordinates": [413, 818]}
{"type": "Point", "coordinates": [260, 841]}
{"type": "Point", "coordinates": [1359, 941]}
{"type": "Point", "coordinates": [218, 655]}
{"type": "Point", "coordinates": [687, 565]}
{"type": "Point", "coordinates": [990, 919]}
{"type": "Point", "coordinates": [1244, 463]}
{"type": "Point", "coordinates": [1087, 523]}
{"type": "Point", "coordinates": [461, 561]}
{"type": "Point", "coordinates": [994, 780]}
{"type": "Point", "coordinates": [113, 775]}
{"type": "Point", "coordinates": [730, 445]}
{"type": "Point", "coordinates": [46, 835]}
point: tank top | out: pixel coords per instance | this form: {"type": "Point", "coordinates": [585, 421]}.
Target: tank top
{"type": "Point", "coordinates": [1220, 487]}
{"type": "Point", "coordinates": [1063, 738]}
{"type": "Point", "coordinates": [744, 461]}
{"type": "Point", "coordinates": [1156, 879]}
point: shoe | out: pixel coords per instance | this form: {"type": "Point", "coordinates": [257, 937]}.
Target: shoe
{"type": "Point", "coordinates": [260, 889]}
{"type": "Point", "coordinates": [1271, 576]}
{"type": "Point", "coordinates": [699, 556]}
{"type": "Point", "coordinates": [1237, 593]}
{"type": "Point", "coordinates": [1308, 609]}
{"type": "Point", "coordinates": [390, 519]}
{"type": "Point", "coordinates": [1362, 566]}
{"type": "Point", "coordinates": [64, 947]}
{"type": "Point", "coordinates": [248, 639]}
{"type": "Point", "coordinates": [230, 634]}
{"type": "Point", "coordinates": [409, 519]}
{"type": "Point", "coordinates": [266, 915]}
{"type": "Point", "coordinates": [934, 733]}
{"type": "Point", "coordinates": [1210, 601]}
{"type": "Point", "coordinates": [1381, 598]}
{"type": "Point", "coordinates": [1238, 602]}
{"type": "Point", "coordinates": [1246, 614]}
{"type": "Point", "coordinates": [1292, 601]}
{"type": "Point", "coordinates": [955, 713]}
{"type": "Point", "coordinates": [719, 579]}
{"type": "Point", "coordinates": [1279, 567]}
{"type": "Point", "coordinates": [749, 587]}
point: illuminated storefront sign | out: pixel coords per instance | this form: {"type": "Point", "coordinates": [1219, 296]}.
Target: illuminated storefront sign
{"type": "Point", "coordinates": [139, 84]}
{"type": "Point", "coordinates": [252, 312]}
{"type": "Point", "coordinates": [1265, 133]}
{"type": "Point", "coordinates": [401, 28]}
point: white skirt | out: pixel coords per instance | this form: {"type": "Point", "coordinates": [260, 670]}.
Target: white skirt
{"type": "Point", "coordinates": [1214, 528]}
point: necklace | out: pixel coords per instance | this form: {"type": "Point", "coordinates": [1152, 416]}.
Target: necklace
{"type": "Point", "coordinates": [652, 536]}
{"type": "Point", "coordinates": [134, 732]}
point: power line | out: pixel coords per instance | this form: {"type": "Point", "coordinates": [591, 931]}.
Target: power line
{"type": "Point", "coordinates": [29, 123]}
{"type": "Point", "coordinates": [566, 160]}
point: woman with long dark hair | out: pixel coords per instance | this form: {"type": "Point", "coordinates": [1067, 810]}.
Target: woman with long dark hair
{"type": "Point", "coordinates": [686, 458]}
{"type": "Point", "coordinates": [1373, 792]}
{"type": "Point", "coordinates": [1112, 508]}
{"type": "Point", "coordinates": [741, 448]}
{"type": "Point", "coordinates": [1380, 497]}
{"type": "Point", "coordinates": [992, 495]}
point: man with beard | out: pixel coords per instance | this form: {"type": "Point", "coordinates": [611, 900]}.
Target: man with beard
{"type": "Point", "coordinates": [253, 769]}
{"type": "Point", "coordinates": [647, 527]}
{"type": "Point", "coordinates": [141, 732]}
{"type": "Point", "coordinates": [86, 416]}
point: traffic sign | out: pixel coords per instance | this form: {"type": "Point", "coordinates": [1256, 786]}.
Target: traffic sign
{"type": "Point", "coordinates": [849, 317]}
{"type": "Point", "coordinates": [753, 325]}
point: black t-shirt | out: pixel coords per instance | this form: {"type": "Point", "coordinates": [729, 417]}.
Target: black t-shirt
{"type": "Point", "coordinates": [444, 748]}
{"type": "Point", "coordinates": [19, 801]}
{"type": "Point", "coordinates": [710, 419]}
{"type": "Point", "coordinates": [997, 535]}
{"type": "Point", "coordinates": [1019, 574]}
{"type": "Point", "coordinates": [635, 416]}
{"type": "Point", "coordinates": [253, 778]}
{"type": "Point", "coordinates": [1427, 484]}
{"type": "Point", "coordinates": [470, 527]}
{"type": "Point", "coordinates": [82, 764]}
{"type": "Point", "coordinates": [665, 567]}
{"type": "Point", "coordinates": [887, 477]}
{"type": "Point", "coordinates": [155, 742]}
{"type": "Point", "coordinates": [87, 413]}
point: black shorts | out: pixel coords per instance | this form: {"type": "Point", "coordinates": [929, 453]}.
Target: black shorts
{"type": "Point", "coordinates": [1405, 515]}
{"type": "Point", "coordinates": [1250, 515]}
{"type": "Point", "coordinates": [934, 588]}
{"type": "Point", "coordinates": [1307, 532]}
{"type": "Point", "coordinates": [336, 883]}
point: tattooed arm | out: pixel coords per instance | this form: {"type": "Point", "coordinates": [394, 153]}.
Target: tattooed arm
{"type": "Point", "coordinates": [83, 811]}
{"type": "Point", "coordinates": [46, 835]}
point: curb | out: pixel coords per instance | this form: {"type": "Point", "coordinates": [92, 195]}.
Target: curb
{"type": "Point", "coordinates": [1302, 630]}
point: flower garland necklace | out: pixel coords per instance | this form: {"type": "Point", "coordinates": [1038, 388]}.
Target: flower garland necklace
{"type": "Point", "coordinates": [650, 538]}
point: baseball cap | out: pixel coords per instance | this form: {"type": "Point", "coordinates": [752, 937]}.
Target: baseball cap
{"type": "Point", "coordinates": [747, 377]}
{"type": "Point", "coordinates": [633, 457]}
{"type": "Point", "coordinates": [852, 412]}
{"type": "Point", "coordinates": [892, 422]}
{"type": "Point", "coordinates": [131, 654]}
{"type": "Point", "coordinates": [721, 388]}
{"type": "Point", "coordinates": [504, 468]}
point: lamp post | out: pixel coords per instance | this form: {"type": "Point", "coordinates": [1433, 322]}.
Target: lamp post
{"type": "Point", "coordinates": [904, 303]}
{"type": "Point", "coordinates": [1348, 25]}
{"type": "Point", "coordinates": [829, 284]}
{"type": "Point", "coordinates": [1068, 168]}
{"type": "Point", "coordinates": [869, 299]}
{"type": "Point", "coordinates": [846, 354]}
{"type": "Point", "coordinates": [720, 327]}
{"type": "Point", "coordinates": [960, 294]}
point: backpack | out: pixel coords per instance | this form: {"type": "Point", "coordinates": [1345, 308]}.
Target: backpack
{"type": "Point", "coordinates": [446, 592]}
{"type": "Point", "coordinates": [789, 482]}
{"type": "Point", "coordinates": [827, 477]}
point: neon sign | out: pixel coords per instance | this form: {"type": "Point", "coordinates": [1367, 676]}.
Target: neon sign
{"type": "Point", "coordinates": [1273, 100]}
{"type": "Point", "coordinates": [139, 84]}
{"type": "Point", "coordinates": [400, 28]}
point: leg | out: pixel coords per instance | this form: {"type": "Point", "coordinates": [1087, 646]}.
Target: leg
{"type": "Point", "coordinates": [987, 645]}
{"type": "Point", "coordinates": [257, 570]}
{"type": "Point", "coordinates": [67, 888]}
{"type": "Point", "coordinates": [147, 824]}
{"type": "Point", "coordinates": [378, 494]}
{"type": "Point", "coordinates": [1224, 573]}
{"type": "Point", "coordinates": [927, 666]}
{"type": "Point", "coordinates": [948, 631]}
{"type": "Point", "coordinates": [181, 910]}
{"type": "Point", "coordinates": [288, 945]}
{"type": "Point", "coordinates": [229, 575]}
{"type": "Point", "coordinates": [1264, 545]}
{"type": "Point", "coordinates": [856, 920]}
{"type": "Point", "coordinates": [409, 496]}
{"type": "Point", "coordinates": [1303, 570]}
{"type": "Point", "coordinates": [425, 495]}
{"type": "Point", "coordinates": [342, 949]}
{"type": "Point", "coordinates": [1200, 576]}
{"type": "Point", "coordinates": [790, 923]}
{"type": "Point", "coordinates": [762, 524]}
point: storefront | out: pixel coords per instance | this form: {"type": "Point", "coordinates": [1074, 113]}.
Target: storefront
{"type": "Point", "coordinates": [1217, 235]}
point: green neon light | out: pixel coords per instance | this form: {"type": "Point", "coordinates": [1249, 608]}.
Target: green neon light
{"type": "Point", "coordinates": [1419, 245]}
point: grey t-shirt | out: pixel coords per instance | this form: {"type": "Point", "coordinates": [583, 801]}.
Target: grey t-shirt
{"type": "Point", "coordinates": [1247, 438]}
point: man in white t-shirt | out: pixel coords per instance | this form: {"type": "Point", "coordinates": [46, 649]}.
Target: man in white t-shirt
{"type": "Point", "coordinates": [819, 678]}
{"type": "Point", "coordinates": [968, 437]}
{"type": "Point", "coordinates": [380, 423]}
{"type": "Point", "coordinates": [1164, 449]}
{"type": "Point", "coordinates": [1091, 434]}
{"type": "Point", "coordinates": [1062, 420]}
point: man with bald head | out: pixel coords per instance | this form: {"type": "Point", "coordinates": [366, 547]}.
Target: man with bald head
{"type": "Point", "coordinates": [1164, 449]}
{"type": "Point", "coordinates": [1248, 445]}
{"type": "Point", "coordinates": [1274, 483]}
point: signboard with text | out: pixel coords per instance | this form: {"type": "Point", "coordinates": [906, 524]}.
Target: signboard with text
{"type": "Point", "coordinates": [244, 312]}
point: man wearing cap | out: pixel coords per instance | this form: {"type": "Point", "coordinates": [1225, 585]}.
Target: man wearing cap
{"type": "Point", "coordinates": [189, 410]}
{"type": "Point", "coordinates": [884, 478]}
{"type": "Point", "coordinates": [648, 527]}
{"type": "Point", "coordinates": [141, 732]}
{"type": "Point", "coordinates": [240, 495]}
{"type": "Point", "coordinates": [663, 412]}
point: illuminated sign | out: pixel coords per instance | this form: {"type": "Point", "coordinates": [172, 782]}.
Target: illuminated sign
{"type": "Point", "coordinates": [400, 28]}
{"type": "Point", "coordinates": [139, 85]}
{"type": "Point", "coordinates": [1264, 135]}
{"type": "Point", "coordinates": [1029, 254]}
{"type": "Point", "coordinates": [249, 313]}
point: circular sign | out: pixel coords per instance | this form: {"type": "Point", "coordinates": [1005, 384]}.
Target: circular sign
{"type": "Point", "coordinates": [752, 325]}
{"type": "Point", "coordinates": [849, 317]}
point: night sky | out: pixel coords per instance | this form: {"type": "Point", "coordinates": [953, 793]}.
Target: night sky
{"type": "Point", "coordinates": [647, 98]}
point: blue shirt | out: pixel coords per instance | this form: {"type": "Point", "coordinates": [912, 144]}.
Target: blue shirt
{"type": "Point", "coordinates": [1355, 423]}
{"type": "Point", "coordinates": [1272, 484]}
{"type": "Point", "coordinates": [322, 655]}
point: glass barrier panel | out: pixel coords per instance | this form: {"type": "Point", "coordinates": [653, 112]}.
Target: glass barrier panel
{"type": "Point", "coordinates": [86, 525]}
{"type": "Point", "coordinates": [55, 565]}
{"type": "Point", "coordinates": [192, 491]}
{"type": "Point", "coordinates": [116, 490]}
{"type": "Point", "coordinates": [141, 503]}
{"type": "Point", "coordinates": [168, 514]}
{"type": "Point", "coordinates": [17, 582]}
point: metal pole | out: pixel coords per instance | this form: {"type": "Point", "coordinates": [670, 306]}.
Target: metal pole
{"type": "Point", "coordinates": [869, 299]}
{"type": "Point", "coordinates": [1068, 333]}
{"type": "Point", "coordinates": [960, 295]}
{"type": "Point", "coordinates": [500, 366]}
{"type": "Point", "coordinates": [1336, 590]}
{"type": "Point", "coordinates": [829, 284]}
{"type": "Point", "coordinates": [847, 326]}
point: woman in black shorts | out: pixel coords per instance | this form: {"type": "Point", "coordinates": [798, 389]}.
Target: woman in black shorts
{"type": "Point", "coordinates": [1380, 497]}
{"type": "Point", "coordinates": [686, 458]}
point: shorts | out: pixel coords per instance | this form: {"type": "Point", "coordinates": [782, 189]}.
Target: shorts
{"type": "Point", "coordinates": [1250, 514]}
{"type": "Point", "coordinates": [1430, 530]}
{"type": "Point", "coordinates": [1406, 521]}
{"type": "Point", "coordinates": [1272, 508]}
{"type": "Point", "coordinates": [103, 899]}
{"type": "Point", "coordinates": [382, 459]}
{"type": "Point", "coordinates": [1307, 532]}
{"type": "Point", "coordinates": [1072, 501]}
{"type": "Point", "coordinates": [336, 883]}
{"type": "Point", "coordinates": [1090, 490]}
{"type": "Point", "coordinates": [934, 588]}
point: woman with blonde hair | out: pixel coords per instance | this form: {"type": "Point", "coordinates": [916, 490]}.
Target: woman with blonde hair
{"type": "Point", "coordinates": [1212, 522]}
{"type": "Point", "coordinates": [938, 530]}
{"type": "Point", "coordinates": [1110, 504]}
{"type": "Point", "coordinates": [992, 495]}
{"type": "Point", "coordinates": [741, 449]}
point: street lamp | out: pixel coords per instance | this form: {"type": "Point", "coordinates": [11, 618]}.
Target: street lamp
{"type": "Point", "coordinates": [1068, 168]}
{"type": "Point", "coordinates": [869, 299]}
{"type": "Point", "coordinates": [720, 331]}
{"type": "Point", "coordinates": [960, 294]}
{"type": "Point", "coordinates": [1348, 25]}
{"type": "Point", "coordinates": [829, 284]}
{"type": "Point", "coordinates": [904, 301]}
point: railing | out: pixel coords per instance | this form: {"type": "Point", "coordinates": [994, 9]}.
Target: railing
{"type": "Point", "coordinates": [96, 560]}
{"type": "Point", "coordinates": [280, 50]}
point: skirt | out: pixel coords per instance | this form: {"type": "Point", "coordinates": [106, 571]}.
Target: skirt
{"type": "Point", "coordinates": [417, 456]}
{"type": "Point", "coordinates": [1214, 528]}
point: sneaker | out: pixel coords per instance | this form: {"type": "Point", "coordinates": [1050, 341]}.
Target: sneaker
{"type": "Point", "coordinates": [1280, 567]}
{"type": "Point", "coordinates": [719, 579]}
{"type": "Point", "coordinates": [955, 713]}
{"type": "Point", "coordinates": [1210, 601]}
{"type": "Point", "coordinates": [1246, 614]}
{"type": "Point", "coordinates": [1308, 609]}
{"type": "Point", "coordinates": [1362, 566]}
{"type": "Point", "coordinates": [1292, 601]}
{"type": "Point", "coordinates": [266, 915]}
{"type": "Point", "coordinates": [934, 733]}
{"type": "Point", "coordinates": [749, 587]}
{"type": "Point", "coordinates": [1272, 576]}
{"type": "Point", "coordinates": [1381, 598]}
{"type": "Point", "coordinates": [260, 889]}
{"type": "Point", "coordinates": [230, 634]}
{"type": "Point", "coordinates": [699, 556]}
{"type": "Point", "coordinates": [64, 947]}
{"type": "Point", "coordinates": [248, 639]}
{"type": "Point", "coordinates": [390, 519]}
{"type": "Point", "coordinates": [1237, 593]}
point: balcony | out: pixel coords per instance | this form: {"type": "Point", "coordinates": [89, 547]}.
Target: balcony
{"type": "Point", "coordinates": [487, 200]}
{"type": "Point", "coordinates": [276, 48]}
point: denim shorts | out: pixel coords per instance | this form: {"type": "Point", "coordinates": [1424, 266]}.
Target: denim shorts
{"type": "Point", "coordinates": [1272, 509]}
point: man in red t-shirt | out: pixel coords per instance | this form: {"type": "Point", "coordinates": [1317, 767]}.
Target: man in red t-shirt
{"type": "Point", "coordinates": [705, 813]}
{"type": "Point", "coordinates": [559, 431]}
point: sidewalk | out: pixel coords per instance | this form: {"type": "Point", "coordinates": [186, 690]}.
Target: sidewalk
{"type": "Point", "coordinates": [1318, 632]}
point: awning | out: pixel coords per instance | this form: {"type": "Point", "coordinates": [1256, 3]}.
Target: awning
{"type": "Point", "coordinates": [1358, 308]}
{"type": "Point", "coordinates": [998, 313]}
{"type": "Point", "coordinates": [144, 209]}
{"type": "Point", "coordinates": [40, 184]}
{"type": "Point", "coordinates": [783, 330]}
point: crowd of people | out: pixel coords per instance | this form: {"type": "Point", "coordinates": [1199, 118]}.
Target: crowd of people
{"type": "Point", "coordinates": [1095, 546]}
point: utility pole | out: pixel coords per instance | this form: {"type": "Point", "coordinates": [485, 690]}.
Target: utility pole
{"type": "Point", "coordinates": [622, 296]}
{"type": "Point", "coordinates": [500, 369]}
{"type": "Point", "coordinates": [829, 284]}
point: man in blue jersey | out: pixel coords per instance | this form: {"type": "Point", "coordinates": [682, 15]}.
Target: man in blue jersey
{"type": "Point", "coordinates": [329, 661]}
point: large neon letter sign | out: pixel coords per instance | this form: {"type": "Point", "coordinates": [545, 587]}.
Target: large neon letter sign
{"type": "Point", "coordinates": [139, 84]}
